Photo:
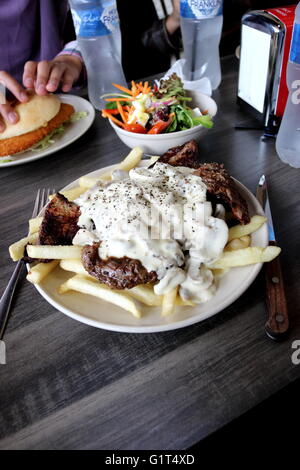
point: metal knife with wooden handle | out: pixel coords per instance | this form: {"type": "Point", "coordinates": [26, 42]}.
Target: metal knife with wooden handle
{"type": "Point", "coordinates": [277, 324]}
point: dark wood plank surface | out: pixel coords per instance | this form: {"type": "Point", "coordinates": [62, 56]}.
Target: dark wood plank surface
{"type": "Point", "coordinates": [70, 386]}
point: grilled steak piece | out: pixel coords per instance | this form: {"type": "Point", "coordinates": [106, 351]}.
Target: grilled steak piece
{"type": "Point", "coordinates": [59, 225]}
{"type": "Point", "coordinates": [118, 273]}
{"type": "Point", "coordinates": [183, 155]}
{"type": "Point", "coordinates": [222, 187]}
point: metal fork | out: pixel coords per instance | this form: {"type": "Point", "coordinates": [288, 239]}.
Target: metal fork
{"type": "Point", "coordinates": [42, 198]}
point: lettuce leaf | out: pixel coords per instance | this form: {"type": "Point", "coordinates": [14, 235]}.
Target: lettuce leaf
{"type": "Point", "coordinates": [113, 104]}
{"type": "Point", "coordinates": [48, 140]}
{"type": "Point", "coordinates": [77, 116]}
{"type": "Point", "coordinates": [173, 87]}
{"type": "Point", "coordinates": [185, 119]}
{"type": "Point", "coordinates": [205, 121]}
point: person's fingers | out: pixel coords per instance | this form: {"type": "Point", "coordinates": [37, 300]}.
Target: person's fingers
{"type": "Point", "coordinates": [8, 113]}
{"type": "Point", "coordinates": [29, 73]}
{"type": "Point", "coordinates": [56, 74]}
{"type": "Point", "coordinates": [67, 81]}
{"type": "Point", "coordinates": [2, 125]}
{"type": "Point", "coordinates": [12, 85]}
{"type": "Point", "coordinates": [43, 70]}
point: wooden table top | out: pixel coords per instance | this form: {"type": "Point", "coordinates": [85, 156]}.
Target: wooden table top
{"type": "Point", "coordinates": [67, 385]}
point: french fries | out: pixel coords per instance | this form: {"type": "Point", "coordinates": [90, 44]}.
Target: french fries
{"type": "Point", "coordinates": [74, 265]}
{"type": "Point", "coordinates": [246, 256]}
{"type": "Point", "coordinates": [16, 250]}
{"type": "Point", "coordinates": [238, 243]}
{"type": "Point", "coordinates": [145, 295]}
{"type": "Point", "coordinates": [38, 272]}
{"type": "Point", "coordinates": [88, 182]}
{"type": "Point", "coordinates": [184, 303]}
{"type": "Point", "coordinates": [85, 285]}
{"type": "Point", "coordinates": [239, 231]}
{"type": "Point", "coordinates": [131, 161]}
{"type": "Point", "coordinates": [34, 224]}
{"type": "Point", "coordinates": [169, 302]}
{"type": "Point", "coordinates": [219, 273]}
{"type": "Point", "coordinates": [72, 194]}
{"type": "Point", "coordinates": [54, 251]}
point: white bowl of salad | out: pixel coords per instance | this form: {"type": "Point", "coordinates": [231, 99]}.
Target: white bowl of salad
{"type": "Point", "coordinates": [160, 116]}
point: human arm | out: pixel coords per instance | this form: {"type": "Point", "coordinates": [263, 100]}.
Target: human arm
{"type": "Point", "coordinates": [164, 35]}
{"type": "Point", "coordinates": [172, 21]}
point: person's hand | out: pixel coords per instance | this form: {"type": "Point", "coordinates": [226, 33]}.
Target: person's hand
{"type": "Point", "coordinates": [173, 20]}
{"type": "Point", "coordinates": [7, 113]}
{"type": "Point", "coordinates": [47, 75]}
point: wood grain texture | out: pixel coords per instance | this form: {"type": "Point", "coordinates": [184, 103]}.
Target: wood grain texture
{"type": "Point", "coordinates": [277, 324]}
{"type": "Point", "coordinates": [70, 386]}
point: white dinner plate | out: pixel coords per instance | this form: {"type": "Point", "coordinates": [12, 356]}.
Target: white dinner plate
{"type": "Point", "coordinates": [73, 131]}
{"type": "Point", "coordinates": [98, 313]}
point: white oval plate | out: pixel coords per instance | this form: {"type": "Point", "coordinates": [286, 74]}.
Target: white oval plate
{"type": "Point", "coordinates": [98, 313]}
{"type": "Point", "coordinates": [73, 131]}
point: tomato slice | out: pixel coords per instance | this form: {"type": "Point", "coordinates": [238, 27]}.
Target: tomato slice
{"type": "Point", "coordinates": [112, 111]}
{"type": "Point", "coordinates": [160, 126]}
{"type": "Point", "coordinates": [135, 128]}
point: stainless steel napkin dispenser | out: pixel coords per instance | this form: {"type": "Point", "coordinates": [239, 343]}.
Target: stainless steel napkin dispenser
{"type": "Point", "coordinates": [265, 44]}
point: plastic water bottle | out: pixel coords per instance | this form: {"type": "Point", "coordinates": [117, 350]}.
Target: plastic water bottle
{"type": "Point", "coordinates": [98, 34]}
{"type": "Point", "coordinates": [288, 138]}
{"type": "Point", "coordinates": [201, 27]}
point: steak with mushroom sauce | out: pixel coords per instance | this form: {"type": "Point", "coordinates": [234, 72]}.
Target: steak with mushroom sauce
{"type": "Point", "coordinates": [220, 186]}
{"type": "Point", "coordinates": [118, 273]}
{"type": "Point", "coordinates": [60, 220]}
{"type": "Point", "coordinates": [59, 225]}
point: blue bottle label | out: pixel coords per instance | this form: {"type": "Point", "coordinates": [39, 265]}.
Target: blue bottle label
{"type": "Point", "coordinates": [201, 9]}
{"type": "Point", "coordinates": [99, 21]}
{"type": "Point", "coordinates": [295, 46]}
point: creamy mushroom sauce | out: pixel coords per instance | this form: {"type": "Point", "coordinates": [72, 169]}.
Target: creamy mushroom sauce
{"type": "Point", "coordinates": [161, 217]}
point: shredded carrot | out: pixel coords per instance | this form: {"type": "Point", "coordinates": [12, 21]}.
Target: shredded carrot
{"type": "Point", "coordinates": [145, 87]}
{"type": "Point", "coordinates": [120, 109]}
{"type": "Point", "coordinates": [122, 88]}
{"type": "Point", "coordinates": [134, 88]}
{"type": "Point", "coordinates": [109, 116]}
{"type": "Point", "coordinates": [139, 87]}
{"type": "Point", "coordinates": [119, 99]}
